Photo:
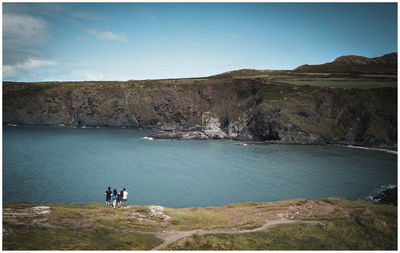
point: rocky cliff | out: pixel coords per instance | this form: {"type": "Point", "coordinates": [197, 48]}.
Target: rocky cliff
{"type": "Point", "coordinates": [258, 109]}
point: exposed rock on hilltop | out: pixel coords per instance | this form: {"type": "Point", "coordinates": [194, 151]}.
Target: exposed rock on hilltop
{"type": "Point", "coordinates": [385, 59]}
{"type": "Point", "coordinates": [354, 59]}
{"type": "Point", "coordinates": [353, 63]}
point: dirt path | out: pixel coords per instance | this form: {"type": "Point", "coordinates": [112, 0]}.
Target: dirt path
{"type": "Point", "coordinates": [172, 236]}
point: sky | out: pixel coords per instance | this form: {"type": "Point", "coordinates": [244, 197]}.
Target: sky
{"type": "Point", "coordinates": [135, 41]}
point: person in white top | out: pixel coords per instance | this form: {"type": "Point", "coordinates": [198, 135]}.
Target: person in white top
{"type": "Point", "coordinates": [125, 198]}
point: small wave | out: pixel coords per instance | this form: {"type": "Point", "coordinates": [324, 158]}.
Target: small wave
{"type": "Point", "coordinates": [147, 138]}
{"type": "Point", "coordinates": [374, 149]}
{"type": "Point", "coordinates": [14, 125]}
{"type": "Point", "coordinates": [241, 144]}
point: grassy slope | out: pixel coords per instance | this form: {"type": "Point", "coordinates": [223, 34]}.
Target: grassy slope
{"type": "Point", "coordinates": [370, 228]}
{"type": "Point", "coordinates": [341, 224]}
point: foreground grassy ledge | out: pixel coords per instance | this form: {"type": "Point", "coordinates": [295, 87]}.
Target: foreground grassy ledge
{"type": "Point", "coordinates": [293, 224]}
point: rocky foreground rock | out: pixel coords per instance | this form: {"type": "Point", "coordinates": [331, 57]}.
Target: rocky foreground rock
{"type": "Point", "coordinates": [388, 197]}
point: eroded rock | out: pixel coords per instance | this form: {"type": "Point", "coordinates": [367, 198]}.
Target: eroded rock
{"type": "Point", "coordinates": [158, 211]}
{"type": "Point", "coordinates": [41, 209]}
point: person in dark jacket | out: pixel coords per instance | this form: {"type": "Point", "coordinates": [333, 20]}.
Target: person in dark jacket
{"type": "Point", "coordinates": [114, 197]}
{"type": "Point", "coordinates": [119, 199]}
{"type": "Point", "coordinates": [108, 196]}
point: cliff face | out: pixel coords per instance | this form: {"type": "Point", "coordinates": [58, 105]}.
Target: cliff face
{"type": "Point", "coordinates": [239, 108]}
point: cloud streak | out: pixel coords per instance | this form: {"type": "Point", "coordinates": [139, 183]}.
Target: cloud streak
{"type": "Point", "coordinates": [89, 15]}
{"type": "Point", "coordinates": [107, 35]}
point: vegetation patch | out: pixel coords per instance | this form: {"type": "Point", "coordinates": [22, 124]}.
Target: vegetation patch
{"type": "Point", "coordinates": [87, 239]}
{"type": "Point", "coordinates": [339, 235]}
{"type": "Point", "coordinates": [198, 218]}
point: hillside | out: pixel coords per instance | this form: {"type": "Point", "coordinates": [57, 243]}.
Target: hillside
{"type": "Point", "coordinates": [353, 64]}
{"type": "Point", "coordinates": [253, 105]}
{"type": "Point", "coordinates": [330, 224]}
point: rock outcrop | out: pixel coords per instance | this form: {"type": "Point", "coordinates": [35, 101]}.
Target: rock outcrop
{"type": "Point", "coordinates": [211, 126]}
{"type": "Point", "coordinates": [387, 197]}
{"type": "Point", "coordinates": [210, 129]}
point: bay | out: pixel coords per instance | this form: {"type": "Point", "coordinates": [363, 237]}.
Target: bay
{"type": "Point", "coordinates": [75, 165]}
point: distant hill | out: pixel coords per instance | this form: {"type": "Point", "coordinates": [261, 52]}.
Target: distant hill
{"type": "Point", "coordinates": [353, 63]}
{"type": "Point", "coordinates": [244, 73]}
{"type": "Point", "coordinates": [343, 64]}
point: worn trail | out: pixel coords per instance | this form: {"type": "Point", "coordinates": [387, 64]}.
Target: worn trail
{"type": "Point", "coordinates": [172, 236]}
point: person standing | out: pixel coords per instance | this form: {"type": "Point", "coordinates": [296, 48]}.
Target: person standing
{"type": "Point", "coordinates": [114, 197]}
{"type": "Point", "coordinates": [108, 196]}
{"type": "Point", "coordinates": [125, 198]}
{"type": "Point", "coordinates": [119, 199]}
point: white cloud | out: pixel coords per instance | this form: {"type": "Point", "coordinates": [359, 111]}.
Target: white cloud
{"type": "Point", "coordinates": [36, 9]}
{"type": "Point", "coordinates": [92, 77]}
{"type": "Point", "coordinates": [22, 35]}
{"type": "Point", "coordinates": [107, 35]}
{"type": "Point", "coordinates": [9, 71]}
{"type": "Point", "coordinates": [16, 69]}
{"type": "Point", "coordinates": [36, 63]}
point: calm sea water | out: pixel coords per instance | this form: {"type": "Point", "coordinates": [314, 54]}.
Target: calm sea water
{"type": "Point", "coordinates": [69, 165]}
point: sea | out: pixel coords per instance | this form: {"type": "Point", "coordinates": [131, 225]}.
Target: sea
{"type": "Point", "coordinates": [76, 165]}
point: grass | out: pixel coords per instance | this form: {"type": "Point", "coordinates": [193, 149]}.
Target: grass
{"type": "Point", "coordinates": [368, 226]}
{"type": "Point", "coordinates": [337, 235]}
{"type": "Point", "coordinates": [343, 83]}
{"type": "Point", "coordinates": [19, 205]}
{"type": "Point", "coordinates": [337, 224]}
{"type": "Point", "coordinates": [330, 235]}
{"type": "Point", "coordinates": [93, 239]}
{"type": "Point", "coordinates": [197, 218]}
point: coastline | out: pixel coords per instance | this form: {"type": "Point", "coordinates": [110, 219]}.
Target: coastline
{"type": "Point", "coordinates": [388, 149]}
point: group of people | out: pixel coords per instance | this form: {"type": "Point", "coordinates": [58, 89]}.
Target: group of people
{"type": "Point", "coordinates": [118, 198]}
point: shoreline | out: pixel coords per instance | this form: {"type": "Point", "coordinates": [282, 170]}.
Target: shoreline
{"type": "Point", "coordinates": [370, 199]}
{"type": "Point", "coordinates": [387, 149]}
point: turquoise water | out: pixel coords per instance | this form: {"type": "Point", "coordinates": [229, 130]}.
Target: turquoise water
{"type": "Point", "coordinates": [71, 165]}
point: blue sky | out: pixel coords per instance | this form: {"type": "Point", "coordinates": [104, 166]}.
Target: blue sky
{"type": "Point", "coordinates": [123, 41]}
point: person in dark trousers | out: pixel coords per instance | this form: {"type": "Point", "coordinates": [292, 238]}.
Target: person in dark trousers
{"type": "Point", "coordinates": [119, 199]}
{"type": "Point", "coordinates": [114, 197]}
{"type": "Point", "coordinates": [108, 196]}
